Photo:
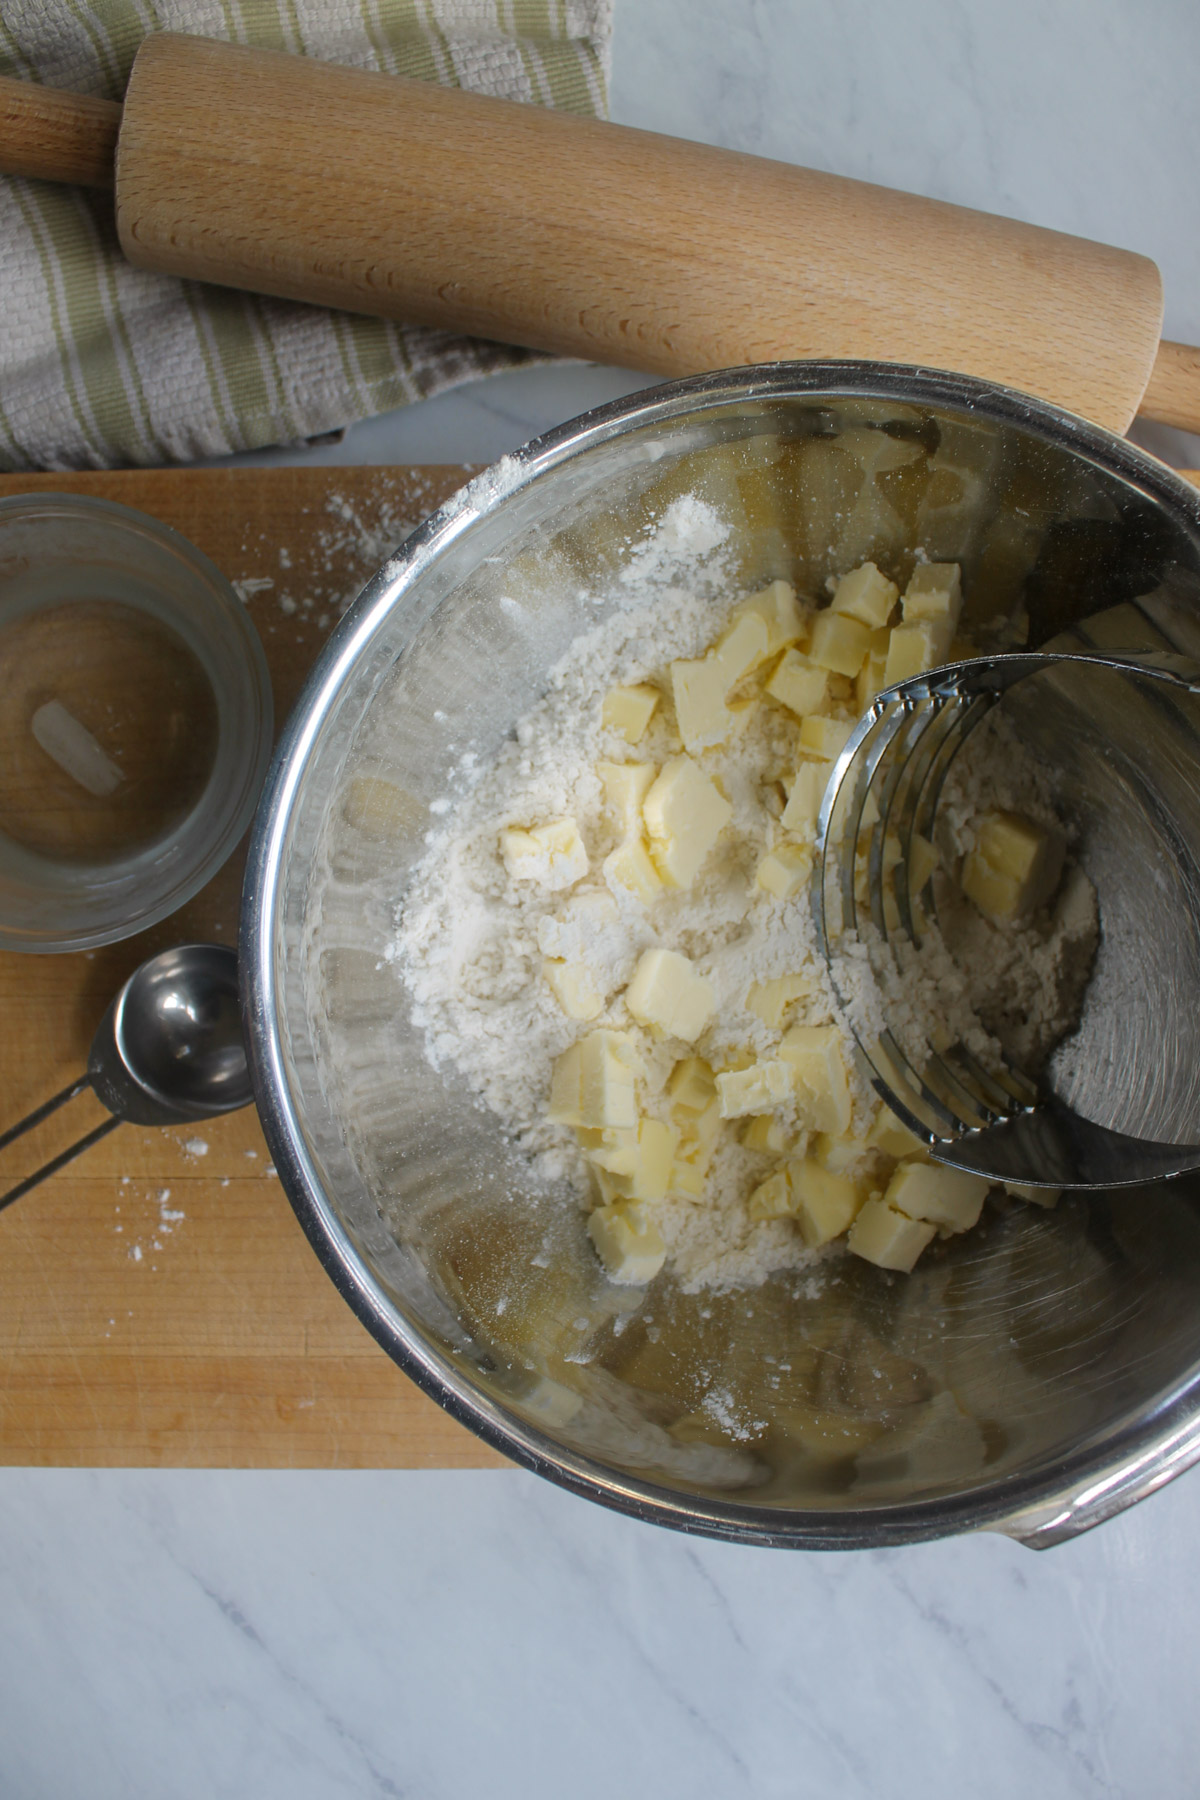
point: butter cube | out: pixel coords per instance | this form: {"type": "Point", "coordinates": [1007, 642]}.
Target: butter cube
{"type": "Point", "coordinates": [625, 787]}
{"type": "Point", "coordinates": [922, 861]}
{"type": "Point", "coordinates": [819, 1076]}
{"type": "Point", "coordinates": [628, 710]}
{"type": "Point", "coordinates": [825, 738]}
{"type": "Point", "coordinates": [798, 683]}
{"type": "Point", "coordinates": [996, 895]}
{"type": "Point", "coordinates": [784, 870]}
{"type": "Point", "coordinates": [781, 613]}
{"type": "Point", "coordinates": [769, 1000]}
{"type": "Point", "coordinates": [698, 1132]}
{"type": "Point", "coordinates": [666, 992]}
{"type": "Point", "coordinates": [639, 1160]}
{"type": "Point", "coordinates": [804, 802]}
{"type": "Point", "coordinates": [690, 1086]}
{"type": "Point", "coordinates": [824, 1204]}
{"type": "Point", "coordinates": [872, 677]}
{"type": "Point", "coordinates": [888, 1238]}
{"type": "Point", "coordinates": [935, 592]}
{"type": "Point", "coordinates": [839, 643]}
{"type": "Point", "coordinates": [608, 1069]}
{"type": "Point", "coordinates": [593, 1082]}
{"type": "Point", "coordinates": [866, 596]}
{"type": "Point", "coordinates": [742, 647]}
{"type": "Point", "coordinates": [685, 814]}
{"type": "Point", "coordinates": [574, 987]}
{"type": "Point", "coordinates": [699, 686]}
{"type": "Point", "coordinates": [631, 869]}
{"type": "Point", "coordinates": [1015, 866]}
{"type": "Point", "coordinates": [687, 1180]}
{"type": "Point", "coordinates": [628, 1243]}
{"type": "Point", "coordinates": [838, 1154]}
{"type": "Point", "coordinates": [914, 650]}
{"type": "Point", "coordinates": [937, 1194]}
{"type": "Point", "coordinates": [758, 1089]}
{"type": "Point", "coordinates": [552, 855]}
{"type": "Point", "coordinates": [565, 1088]}
{"type": "Point", "coordinates": [888, 1134]}
{"type": "Point", "coordinates": [764, 1133]}
{"type": "Point", "coordinates": [772, 1198]}
{"type": "Point", "coordinates": [1040, 1196]}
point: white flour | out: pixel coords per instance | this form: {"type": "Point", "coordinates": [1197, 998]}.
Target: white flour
{"type": "Point", "coordinates": [471, 940]}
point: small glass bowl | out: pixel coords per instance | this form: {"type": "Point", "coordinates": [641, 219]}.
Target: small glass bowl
{"type": "Point", "coordinates": [136, 721]}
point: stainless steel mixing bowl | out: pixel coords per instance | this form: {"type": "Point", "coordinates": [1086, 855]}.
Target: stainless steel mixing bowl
{"type": "Point", "coordinates": [1034, 1376]}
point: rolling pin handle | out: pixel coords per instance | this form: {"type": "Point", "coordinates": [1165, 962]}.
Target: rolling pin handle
{"type": "Point", "coordinates": [56, 136]}
{"type": "Point", "coordinates": [1172, 395]}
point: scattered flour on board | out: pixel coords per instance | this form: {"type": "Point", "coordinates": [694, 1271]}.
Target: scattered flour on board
{"type": "Point", "coordinates": [361, 535]}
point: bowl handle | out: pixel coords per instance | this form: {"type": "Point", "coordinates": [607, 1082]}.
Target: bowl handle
{"type": "Point", "coordinates": [1072, 1513]}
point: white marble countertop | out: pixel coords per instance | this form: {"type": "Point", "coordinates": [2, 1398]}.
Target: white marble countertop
{"type": "Point", "coordinates": [203, 1634]}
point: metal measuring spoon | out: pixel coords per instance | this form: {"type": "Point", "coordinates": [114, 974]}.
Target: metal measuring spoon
{"type": "Point", "coordinates": [168, 1049]}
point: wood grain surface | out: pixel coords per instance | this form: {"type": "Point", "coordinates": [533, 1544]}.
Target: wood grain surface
{"type": "Point", "coordinates": [159, 1305]}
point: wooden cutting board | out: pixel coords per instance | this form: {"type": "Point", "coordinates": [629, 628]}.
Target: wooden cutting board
{"type": "Point", "coordinates": [159, 1304]}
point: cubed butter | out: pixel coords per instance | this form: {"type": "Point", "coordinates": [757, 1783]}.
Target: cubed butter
{"type": "Point", "coordinates": [553, 855]}
{"type": "Point", "coordinates": [631, 869]}
{"type": "Point", "coordinates": [593, 1082]}
{"type": "Point", "coordinates": [825, 738]}
{"type": "Point", "coordinates": [687, 1179]}
{"type": "Point", "coordinates": [698, 1132]}
{"type": "Point", "coordinates": [824, 1204]}
{"type": "Point", "coordinates": [922, 861]}
{"type": "Point", "coordinates": [866, 596]}
{"type": "Point", "coordinates": [772, 1198]}
{"type": "Point", "coordinates": [804, 802]}
{"type": "Point", "coordinates": [914, 650]}
{"type": "Point", "coordinates": [742, 647]}
{"type": "Point", "coordinates": [839, 643]}
{"type": "Point", "coordinates": [938, 1194]}
{"type": "Point", "coordinates": [798, 683]}
{"type": "Point", "coordinates": [1015, 866]}
{"type": "Point", "coordinates": [575, 988]}
{"type": "Point", "coordinates": [666, 992]}
{"type": "Point", "coordinates": [758, 1089]}
{"type": "Point", "coordinates": [765, 1134]}
{"type": "Point", "coordinates": [934, 592]}
{"type": "Point", "coordinates": [838, 1154]}
{"type": "Point", "coordinates": [819, 1076]}
{"type": "Point", "coordinates": [628, 710]}
{"type": "Point", "coordinates": [698, 687]}
{"type": "Point", "coordinates": [685, 815]}
{"type": "Point", "coordinates": [781, 613]}
{"type": "Point", "coordinates": [890, 1135]}
{"type": "Point", "coordinates": [690, 1085]}
{"type": "Point", "coordinates": [640, 1159]}
{"type": "Point", "coordinates": [888, 1238]}
{"type": "Point", "coordinates": [784, 870]}
{"type": "Point", "coordinates": [872, 677]}
{"type": "Point", "coordinates": [628, 1243]}
{"type": "Point", "coordinates": [625, 787]}
{"type": "Point", "coordinates": [769, 1000]}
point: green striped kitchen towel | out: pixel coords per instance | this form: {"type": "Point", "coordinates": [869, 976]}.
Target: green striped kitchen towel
{"type": "Point", "coordinates": [103, 365]}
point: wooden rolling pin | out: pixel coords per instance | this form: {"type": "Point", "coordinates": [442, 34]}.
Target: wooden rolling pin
{"type": "Point", "coordinates": [259, 170]}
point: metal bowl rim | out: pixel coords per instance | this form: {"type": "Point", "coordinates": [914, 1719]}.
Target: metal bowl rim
{"type": "Point", "coordinates": [1153, 1449]}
